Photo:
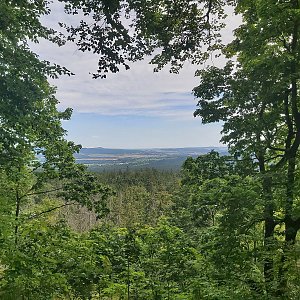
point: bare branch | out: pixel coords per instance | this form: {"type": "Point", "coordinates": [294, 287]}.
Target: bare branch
{"type": "Point", "coordinates": [33, 216]}
{"type": "Point", "coordinates": [41, 192]}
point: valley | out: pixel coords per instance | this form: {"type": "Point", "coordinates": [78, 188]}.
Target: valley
{"type": "Point", "coordinates": [100, 159]}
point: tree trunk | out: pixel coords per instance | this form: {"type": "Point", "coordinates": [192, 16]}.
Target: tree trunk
{"type": "Point", "coordinates": [17, 214]}
{"type": "Point", "coordinates": [269, 225]}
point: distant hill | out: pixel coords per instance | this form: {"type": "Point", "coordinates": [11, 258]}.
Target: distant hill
{"type": "Point", "coordinates": [100, 159]}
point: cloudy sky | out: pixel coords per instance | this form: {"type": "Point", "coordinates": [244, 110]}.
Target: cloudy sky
{"type": "Point", "coordinates": [132, 109]}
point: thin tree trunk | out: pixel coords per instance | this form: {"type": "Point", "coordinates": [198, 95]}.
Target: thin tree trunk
{"type": "Point", "coordinates": [128, 278]}
{"type": "Point", "coordinates": [269, 225]}
{"type": "Point", "coordinates": [17, 214]}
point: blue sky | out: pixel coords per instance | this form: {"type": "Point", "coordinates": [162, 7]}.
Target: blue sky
{"type": "Point", "coordinates": [137, 131]}
{"type": "Point", "coordinates": [132, 109]}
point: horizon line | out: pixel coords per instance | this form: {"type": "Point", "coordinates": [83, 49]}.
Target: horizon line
{"type": "Point", "coordinates": [149, 148]}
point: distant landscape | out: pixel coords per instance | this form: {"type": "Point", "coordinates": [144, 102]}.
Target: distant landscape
{"type": "Point", "coordinates": [105, 159]}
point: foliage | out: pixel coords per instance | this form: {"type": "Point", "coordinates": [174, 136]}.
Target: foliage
{"type": "Point", "coordinates": [50, 262]}
{"type": "Point", "coordinates": [257, 99]}
{"type": "Point", "coordinates": [235, 218]}
{"type": "Point", "coordinates": [124, 31]}
{"type": "Point", "coordinates": [34, 152]}
{"type": "Point", "coordinates": [145, 262]}
{"type": "Point", "coordinates": [147, 194]}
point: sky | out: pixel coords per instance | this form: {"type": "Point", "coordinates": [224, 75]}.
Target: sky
{"type": "Point", "coordinates": [131, 109]}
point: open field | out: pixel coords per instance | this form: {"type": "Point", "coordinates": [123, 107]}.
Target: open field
{"type": "Point", "coordinates": [99, 159]}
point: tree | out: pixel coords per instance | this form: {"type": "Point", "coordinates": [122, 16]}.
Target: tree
{"type": "Point", "coordinates": [125, 31]}
{"type": "Point", "coordinates": [257, 98]}
{"type": "Point", "coordinates": [146, 193]}
{"type": "Point", "coordinates": [221, 209]}
{"type": "Point", "coordinates": [36, 159]}
{"type": "Point", "coordinates": [33, 145]}
{"type": "Point", "coordinates": [168, 260]}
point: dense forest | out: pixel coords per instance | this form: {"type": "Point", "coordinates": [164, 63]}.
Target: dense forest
{"type": "Point", "coordinates": [225, 227]}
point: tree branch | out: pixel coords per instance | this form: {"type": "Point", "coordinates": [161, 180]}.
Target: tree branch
{"type": "Point", "coordinates": [41, 192]}
{"type": "Point", "coordinates": [33, 216]}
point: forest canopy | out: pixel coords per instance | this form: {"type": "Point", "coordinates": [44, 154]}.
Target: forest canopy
{"type": "Point", "coordinates": [228, 229]}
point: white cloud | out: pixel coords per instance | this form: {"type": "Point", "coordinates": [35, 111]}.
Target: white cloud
{"type": "Point", "coordinates": [136, 91]}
